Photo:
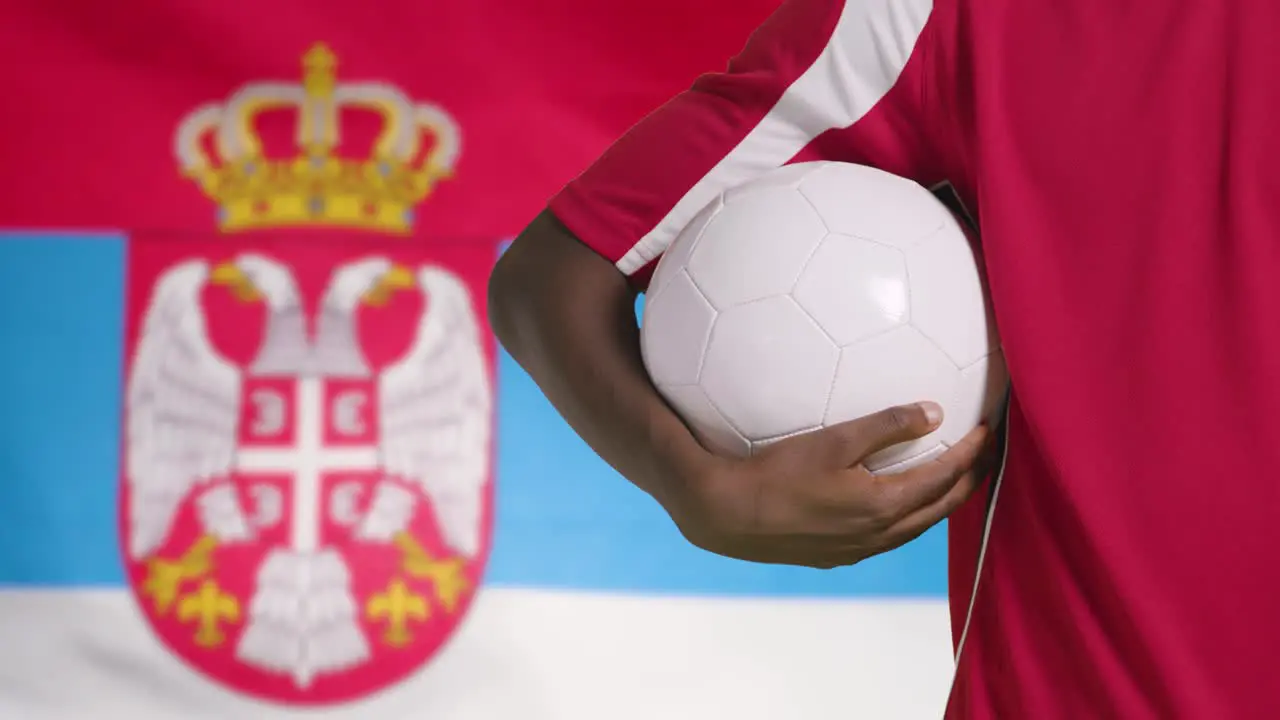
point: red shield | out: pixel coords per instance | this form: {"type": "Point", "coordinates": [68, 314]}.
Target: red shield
{"type": "Point", "coordinates": [306, 499]}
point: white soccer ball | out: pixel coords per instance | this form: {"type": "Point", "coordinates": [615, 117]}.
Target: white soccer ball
{"type": "Point", "coordinates": [820, 293]}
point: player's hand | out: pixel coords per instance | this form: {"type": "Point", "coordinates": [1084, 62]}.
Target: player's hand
{"type": "Point", "coordinates": [809, 501]}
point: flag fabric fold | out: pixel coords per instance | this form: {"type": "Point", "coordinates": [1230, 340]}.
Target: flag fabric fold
{"type": "Point", "coordinates": [263, 457]}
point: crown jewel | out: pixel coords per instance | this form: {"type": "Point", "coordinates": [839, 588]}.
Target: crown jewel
{"type": "Point", "coordinates": [218, 148]}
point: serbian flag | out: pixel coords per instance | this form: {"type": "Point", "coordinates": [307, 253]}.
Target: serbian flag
{"type": "Point", "coordinates": [260, 456]}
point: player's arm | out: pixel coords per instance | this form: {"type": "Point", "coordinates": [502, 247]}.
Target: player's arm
{"type": "Point", "coordinates": [567, 316]}
{"type": "Point", "coordinates": [562, 297]}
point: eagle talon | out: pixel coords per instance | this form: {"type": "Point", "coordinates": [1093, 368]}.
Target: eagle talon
{"type": "Point", "coordinates": [166, 577]}
{"type": "Point", "coordinates": [445, 574]}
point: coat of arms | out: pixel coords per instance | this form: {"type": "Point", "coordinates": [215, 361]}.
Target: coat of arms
{"type": "Point", "coordinates": [308, 409]}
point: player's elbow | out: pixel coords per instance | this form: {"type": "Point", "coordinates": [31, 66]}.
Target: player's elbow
{"type": "Point", "coordinates": [507, 293]}
{"type": "Point", "coordinates": [526, 282]}
{"type": "Point", "coordinates": [547, 284]}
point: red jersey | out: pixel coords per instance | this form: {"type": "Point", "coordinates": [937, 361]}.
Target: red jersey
{"type": "Point", "coordinates": [1119, 158]}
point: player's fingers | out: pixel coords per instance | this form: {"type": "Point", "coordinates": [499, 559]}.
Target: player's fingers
{"type": "Point", "coordinates": [849, 442]}
{"type": "Point", "coordinates": [916, 523]}
{"type": "Point", "coordinates": [902, 494]}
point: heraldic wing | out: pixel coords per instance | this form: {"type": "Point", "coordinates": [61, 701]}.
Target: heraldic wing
{"type": "Point", "coordinates": [183, 404]}
{"type": "Point", "coordinates": [435, 406]}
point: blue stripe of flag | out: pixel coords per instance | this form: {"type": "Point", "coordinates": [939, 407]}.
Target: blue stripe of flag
{"type": "Point", "coordinates": [564, 519]}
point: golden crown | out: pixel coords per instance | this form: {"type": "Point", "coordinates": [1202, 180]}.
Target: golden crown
{"type": "Point", "coordinates": [218, 147]}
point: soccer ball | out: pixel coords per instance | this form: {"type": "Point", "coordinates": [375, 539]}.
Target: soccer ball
{"type": "Point", "coordinates": [819, 293]}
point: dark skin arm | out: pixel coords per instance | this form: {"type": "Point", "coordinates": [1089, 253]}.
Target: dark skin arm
{"type": "Point", "coordinates": [567, 316]}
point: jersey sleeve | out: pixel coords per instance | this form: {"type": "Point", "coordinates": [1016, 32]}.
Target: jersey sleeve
{"type": "Point", "coordinates": [820, 79]}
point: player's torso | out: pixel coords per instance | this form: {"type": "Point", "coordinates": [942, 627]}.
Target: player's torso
{"type": "Point", "coordinates": [1121, 159]}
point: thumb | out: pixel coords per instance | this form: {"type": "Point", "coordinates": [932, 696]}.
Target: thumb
{"type": "Point", "coordinates": [850, 442]}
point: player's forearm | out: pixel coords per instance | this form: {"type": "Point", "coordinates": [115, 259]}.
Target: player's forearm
{"type": "Point", "coordinates": [567, 316]}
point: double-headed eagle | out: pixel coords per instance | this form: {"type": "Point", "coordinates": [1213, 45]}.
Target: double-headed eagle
{"type": "Point", "coordinates": [184, 398]}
